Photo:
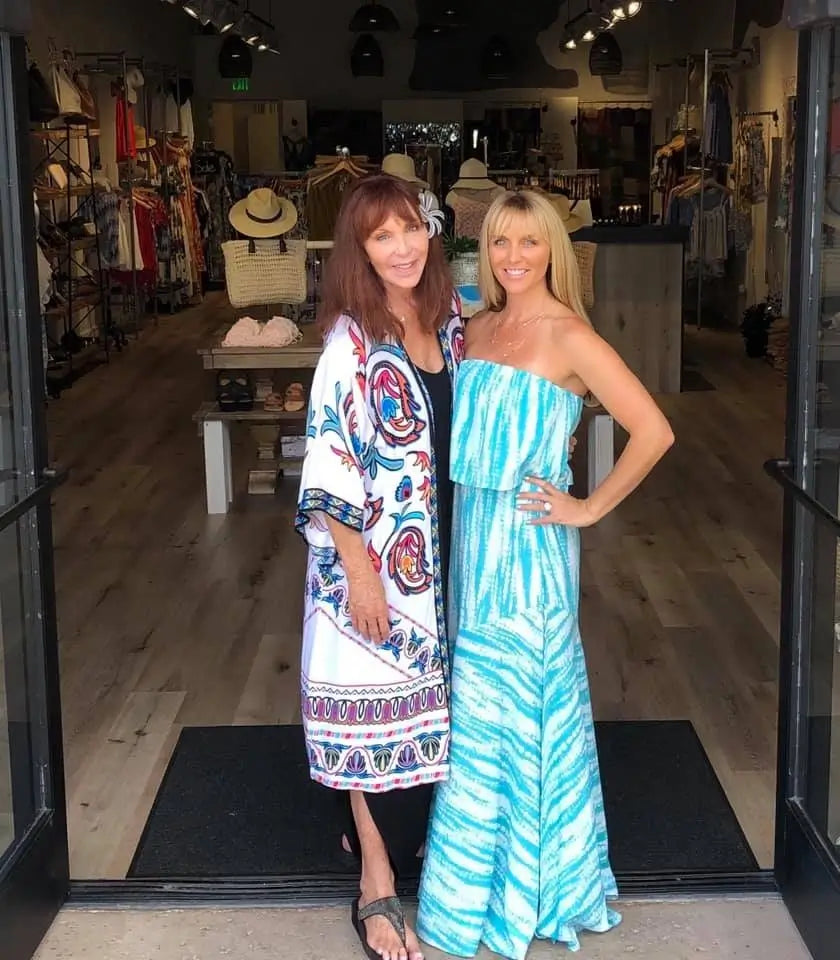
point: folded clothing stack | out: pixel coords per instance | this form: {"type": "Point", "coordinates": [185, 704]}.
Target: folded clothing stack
{"type": "Point", "coordinates": [276, 332]}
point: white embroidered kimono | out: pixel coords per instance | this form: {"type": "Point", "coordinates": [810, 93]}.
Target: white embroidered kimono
{"type": "Point", "coordinates": [376, 718]}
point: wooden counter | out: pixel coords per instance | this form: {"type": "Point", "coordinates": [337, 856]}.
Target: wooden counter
{"type": "Point", "coordinates": [638, 308]}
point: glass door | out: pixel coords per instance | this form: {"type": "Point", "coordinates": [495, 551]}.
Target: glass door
{"type": "Point", "coordinates": [33, 827]}
{"type": "Point", "coordinates": [808, 821]}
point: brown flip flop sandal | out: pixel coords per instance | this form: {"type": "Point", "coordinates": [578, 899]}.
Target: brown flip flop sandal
{"type": "Point", "coordinates": [388, 907]}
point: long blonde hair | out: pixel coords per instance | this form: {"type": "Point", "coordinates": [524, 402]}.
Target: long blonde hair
{"type": "Point", "coordinates": [563, 275]}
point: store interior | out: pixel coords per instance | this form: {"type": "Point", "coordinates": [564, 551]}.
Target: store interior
{"type": "Point", "coordinates": [178, 350]}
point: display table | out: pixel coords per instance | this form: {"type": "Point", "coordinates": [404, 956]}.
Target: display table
{"type": "Point", "coordinates": [267, 427]}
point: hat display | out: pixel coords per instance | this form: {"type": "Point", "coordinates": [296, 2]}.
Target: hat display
{"type": "Point", "coordinates": [142, 140]}
{"type": "Point", "coordinates": [571, 221]}
{"type": "Point", "coordinates": [262, 214]}
{"type": "Point", "coordinates": [402, 166]}
{"type": "Point", "coordinates": [134, 79]}
{"type": "Point", "coordinates": [473, 176]}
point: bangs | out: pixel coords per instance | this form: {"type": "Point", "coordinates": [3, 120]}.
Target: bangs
{"type": "Point", "coordinates": [517, 208]}
{"type": "Point", "coordinates": [382, 200]}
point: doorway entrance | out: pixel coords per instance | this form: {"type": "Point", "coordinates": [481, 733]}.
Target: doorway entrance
{"type": "Point", "coordinates": [33, 825]}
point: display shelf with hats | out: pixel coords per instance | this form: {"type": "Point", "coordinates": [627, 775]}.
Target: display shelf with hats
{"type": "Point", "coordinates": [77, 317]}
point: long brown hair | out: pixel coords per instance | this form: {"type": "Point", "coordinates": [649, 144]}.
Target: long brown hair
{"type": "Point", "coordinates": [352, 286]}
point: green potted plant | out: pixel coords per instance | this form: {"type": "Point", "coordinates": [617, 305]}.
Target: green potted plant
{"type": "Point", "coordinates": [462, 253]}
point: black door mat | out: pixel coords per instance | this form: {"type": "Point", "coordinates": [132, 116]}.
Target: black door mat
{"type": "Point", "coordinates": [238, 802]}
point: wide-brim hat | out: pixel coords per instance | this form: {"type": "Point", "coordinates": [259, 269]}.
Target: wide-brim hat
{"type": "Point", "coordinates": [262, 214]}
{"type": "Point", "coordinates": [402, 166]}
{"type": "Point", "coordinates": [473, 176]}
{"type": "Point", "coordinates": [572, 221]}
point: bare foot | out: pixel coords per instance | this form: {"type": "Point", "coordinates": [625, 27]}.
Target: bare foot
{"type": "Point", "coordinates": [415, 951]}
{"type": "Point", "coordinates": [381, 935]}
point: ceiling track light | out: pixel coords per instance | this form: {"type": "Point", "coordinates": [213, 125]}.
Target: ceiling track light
{"type": "Point", "coordinates": [192, 8]}
{"type": "Point", "coordinates": [633, 8]}
{"type": "Point", "coordinates": [225, 14]}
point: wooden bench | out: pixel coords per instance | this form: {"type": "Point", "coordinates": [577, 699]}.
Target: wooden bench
{"type": "Point", "coordinates": [214, 429]}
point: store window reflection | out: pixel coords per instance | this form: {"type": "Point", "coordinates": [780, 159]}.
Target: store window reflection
{"type": "Point", "coordinates": [822, 480]}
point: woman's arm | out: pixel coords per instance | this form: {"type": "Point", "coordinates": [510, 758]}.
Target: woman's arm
{"type": "Point", "coordinates": [606, 375]}
{"type": "Point", "coordinates": [366, 593]}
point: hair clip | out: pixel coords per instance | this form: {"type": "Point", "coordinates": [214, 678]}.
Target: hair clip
{"type": "Point", "coordinates": [431, 214]}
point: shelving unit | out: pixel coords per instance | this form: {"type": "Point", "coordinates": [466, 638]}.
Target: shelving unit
{"type": "Point", "coordinates": [80, 282]}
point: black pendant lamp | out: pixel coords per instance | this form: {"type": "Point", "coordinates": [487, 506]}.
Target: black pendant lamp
{"type": "Point", "coordinates": [235, 58]}
{"type": "Point", "coordinates": [497, 59]}
{"type": "Point", "coordinates": [374, 18]}
{"type": "Point", "coordinates": [447, 13]}
{"type": "Point", "coordinates": [366, 57]}
{"type": "Point", "coordinates": [605, 59]}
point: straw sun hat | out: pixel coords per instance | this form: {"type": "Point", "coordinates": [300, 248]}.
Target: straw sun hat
{"type": "Point", "coordinates": [262, 214]}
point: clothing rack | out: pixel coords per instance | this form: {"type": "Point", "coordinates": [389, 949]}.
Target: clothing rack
{"type": "Point", "coordinates": [166, 73]}
{"type": "Point", "coordinates": [760, 113]}
{"type": "Point", "coordinates": [119, 63]}
{"type": "Point", "coordinates": [726, 58]}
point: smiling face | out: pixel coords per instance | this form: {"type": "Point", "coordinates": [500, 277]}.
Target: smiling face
{"type": "Point", "coordinates": [398, 250]}
{"type": "Point", "coordinates": [519, 254]}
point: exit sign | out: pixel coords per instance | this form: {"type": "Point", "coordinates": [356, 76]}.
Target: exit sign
{"type": "Point", "coordinates": [240, 85]}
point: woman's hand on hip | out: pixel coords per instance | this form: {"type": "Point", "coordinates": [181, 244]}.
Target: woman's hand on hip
{"type": "Point", "coordinates": [550, 505]}
{"type": "Point", "coordinates": [367, 605]}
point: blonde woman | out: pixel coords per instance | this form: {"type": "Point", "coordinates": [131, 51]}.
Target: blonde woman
{"type": "Point", "coordinates": [518, 847]}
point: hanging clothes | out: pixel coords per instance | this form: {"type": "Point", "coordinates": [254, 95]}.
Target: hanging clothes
{"type": "Point", "coordinates": [683, 208]}
{"type": "Point", "coordinates": [212, 175]}
{"type": "Point", "coordinates": [323, 202]}
{"type": "Point", "coordinates": [751, 164]}
{"type": "Point", "coordinates": [717, 136]}
{"type": "Point", "coordinates": [126, 143]}
{"type": "Point", "coordinates": [103, 209]}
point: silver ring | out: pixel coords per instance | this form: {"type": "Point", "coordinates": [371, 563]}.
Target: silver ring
{"type": "Point", "coordinates": [547, 506]}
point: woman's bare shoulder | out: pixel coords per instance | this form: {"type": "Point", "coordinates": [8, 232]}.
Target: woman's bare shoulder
{"type": "Point", "coordinates": [477, 324]}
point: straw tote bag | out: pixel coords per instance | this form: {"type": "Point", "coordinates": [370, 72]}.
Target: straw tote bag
{"type": "Point", "coordinates": [261, 272]}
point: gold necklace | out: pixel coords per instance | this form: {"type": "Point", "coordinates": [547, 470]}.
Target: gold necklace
{"type": "Point", "coordinates": [512, 345]}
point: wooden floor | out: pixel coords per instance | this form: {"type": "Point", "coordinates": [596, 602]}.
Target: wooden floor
{"type": "Point", "coordinates": [169, 617]}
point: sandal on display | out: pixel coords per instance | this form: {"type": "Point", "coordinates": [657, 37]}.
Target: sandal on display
{"type": "Point", "coordinates": [233, 392]}
{"type": "Point", "coordinates": [295, 398]}
{"type": "Point", "coordinates": [388, 907]}
{"type": "Point", "coordinates": [274, 403]}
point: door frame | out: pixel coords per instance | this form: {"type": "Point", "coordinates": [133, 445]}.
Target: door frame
{"type": "Point", "coordinates": [806, 868]}
{"type": "Point", "coordinates": [34, 882]}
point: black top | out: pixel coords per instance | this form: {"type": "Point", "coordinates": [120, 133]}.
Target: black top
{"type": "Point", "coordinates": [439, 388]}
